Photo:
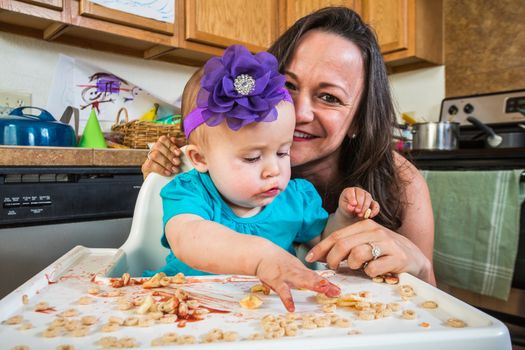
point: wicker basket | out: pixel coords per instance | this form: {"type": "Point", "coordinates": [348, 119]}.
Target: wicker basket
{"type": "Point", "coordinates": [137, 134]}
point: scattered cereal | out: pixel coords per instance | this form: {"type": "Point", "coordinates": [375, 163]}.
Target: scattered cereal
{"type": "Point", "coordinates": [68, 313]}
{"type": "Point", "coordinates": [251, 301]}
{"type": "Point", "coordinates": [408, 314]}
{"type": "Point", "coordinates": [429, 304]}
{"type": "Point", "coordinates": [456, 323]}
{"type": "Point", "coordinates": [41, 306]}
{"type": "Point", "coordinates": [85, 300]}
{"type": "Point", "coordinates": [25, 299]}
{"type": "Point", "coordinates": [17, 319]}
{"type": "Point", "coordinates": [93, 291]}
{"type": "Point", "coordinates": [260, 288]}
{"type": "Point", "coordinates": [25, 326]}
{"type": "Point", "coordinates": [424, 324]}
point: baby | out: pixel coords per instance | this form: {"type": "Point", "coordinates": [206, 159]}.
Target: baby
{"type": "Point", "coordinates": [238, 212]}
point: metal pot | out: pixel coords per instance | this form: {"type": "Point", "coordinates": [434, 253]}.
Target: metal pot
{"type": "Point", "coordinates": [435, 135]}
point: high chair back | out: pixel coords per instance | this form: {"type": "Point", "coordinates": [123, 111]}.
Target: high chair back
{"type": "Point", "coordinates": [142, 249]}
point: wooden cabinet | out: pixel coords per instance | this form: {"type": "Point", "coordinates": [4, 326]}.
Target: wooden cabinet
{"type": "Point", "coordinates": [218, 23]}
{"type": "Point", "coordinates": [89, 8]}
{"type": "Point", "coordinates": [296, 9]}
{"type": "Point", "coordinates": [410, 32]}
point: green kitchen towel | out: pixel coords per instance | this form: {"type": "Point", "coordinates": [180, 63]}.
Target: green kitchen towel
{"type": "Point", "coordinates": [477, 218]}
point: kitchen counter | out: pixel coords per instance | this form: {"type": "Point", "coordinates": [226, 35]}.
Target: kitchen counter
{"type": "Point", "coordinates": [70, 156]}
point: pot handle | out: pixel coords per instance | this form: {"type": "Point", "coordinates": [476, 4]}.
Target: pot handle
{"type": "Point", "coordinates": [44, 115]}
{"type": "Point", "coordinates": [66, 117]}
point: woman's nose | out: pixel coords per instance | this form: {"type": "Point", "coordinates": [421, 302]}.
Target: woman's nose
{"type": "Point", "coordinates": [303, 109]}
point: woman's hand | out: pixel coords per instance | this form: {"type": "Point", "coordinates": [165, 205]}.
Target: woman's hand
{"type": "Point", "coordinates": [281, 271]}
{"type": "Point", "coordinates": [354, 243]}
{"type": "Point", "coordinates": [163, 158]}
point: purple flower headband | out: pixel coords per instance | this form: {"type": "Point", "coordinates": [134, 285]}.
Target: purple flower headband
{"type": "Point", "coordinates": [239, 87]}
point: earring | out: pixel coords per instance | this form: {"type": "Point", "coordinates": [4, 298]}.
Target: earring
{"type": "Point", "coordinates": [354, 136]}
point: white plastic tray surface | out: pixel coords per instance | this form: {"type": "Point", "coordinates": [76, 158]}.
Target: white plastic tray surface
{"type": "Point", "coordinates": [69, 278]}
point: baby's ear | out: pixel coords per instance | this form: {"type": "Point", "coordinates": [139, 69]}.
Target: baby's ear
{"type": "Point", "coordinates": [197, 158]}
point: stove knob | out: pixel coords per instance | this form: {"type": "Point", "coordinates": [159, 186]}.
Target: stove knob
{"type": "Point", "coordinates": [453, 110]}
{"type": "Point", "coordinates": [468, 108]}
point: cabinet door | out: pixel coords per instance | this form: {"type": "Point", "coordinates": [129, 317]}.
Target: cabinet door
{"type": "Point", "coordinates": [296, 9]}
{"type": "Point", "coordinates": [127, 15]}
{"type": "Point", "coordinates": [53, 4]}
{"type": "Point", "coordinates": [390, 20]}
{"type": "Point", "coordinates": [220, 23]}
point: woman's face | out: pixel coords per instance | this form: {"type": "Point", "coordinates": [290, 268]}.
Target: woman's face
{"type": "Point", "coordinates": [325, 79]}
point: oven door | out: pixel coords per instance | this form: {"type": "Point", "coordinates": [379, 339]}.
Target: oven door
{"type": "Point", "coordinates": [511, 311]}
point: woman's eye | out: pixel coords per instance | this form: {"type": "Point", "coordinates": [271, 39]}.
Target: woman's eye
{"type": "Point", "coordinates": [251, 159]}
{"type": "Point", "coordinates": [330, 99]}
{"type": "Point", "coordinates": [289, 86]}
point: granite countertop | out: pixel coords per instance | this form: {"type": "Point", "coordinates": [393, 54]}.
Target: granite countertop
{"type": "Point", "coordinates": [70, 156]}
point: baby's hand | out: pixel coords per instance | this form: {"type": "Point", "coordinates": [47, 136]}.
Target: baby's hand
{"type": "Point", "coordinates": [356, 202]}
{"type": "Point", "coordinates": [281, 271]}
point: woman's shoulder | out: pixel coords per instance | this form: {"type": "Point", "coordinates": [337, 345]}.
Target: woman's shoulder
{"type": "Point", "coordinates": [408, 173]}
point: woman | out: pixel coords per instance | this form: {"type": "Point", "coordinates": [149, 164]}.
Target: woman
{"type": "Point", "coordinates": [344, 112]}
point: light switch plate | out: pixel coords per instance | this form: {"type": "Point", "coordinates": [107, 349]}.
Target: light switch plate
{"type": "Point", "coordinates": [13, 99]}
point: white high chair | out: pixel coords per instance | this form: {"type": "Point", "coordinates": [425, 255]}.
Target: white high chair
{"type": "Point", "coordinates": [142, 249]}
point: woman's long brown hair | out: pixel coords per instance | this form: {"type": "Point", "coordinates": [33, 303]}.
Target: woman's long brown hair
{"type": "Point", "coordinates": [367, 160]}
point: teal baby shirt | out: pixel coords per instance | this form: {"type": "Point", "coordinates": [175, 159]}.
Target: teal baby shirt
{"type": "Point", "coordinates": [295, 215]}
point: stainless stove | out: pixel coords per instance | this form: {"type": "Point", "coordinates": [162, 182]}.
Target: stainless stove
{"type": "Point", "coordinates": [481, 117]}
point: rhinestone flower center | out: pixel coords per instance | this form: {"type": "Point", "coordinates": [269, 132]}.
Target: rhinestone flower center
{"type": "Point", "coordinates": [244, 84]}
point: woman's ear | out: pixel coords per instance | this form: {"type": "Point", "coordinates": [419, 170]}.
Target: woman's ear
{"type": "Point", "coordinates": [197, 158]}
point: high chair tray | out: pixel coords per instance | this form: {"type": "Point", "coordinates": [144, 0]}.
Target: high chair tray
{"type": "Point", "coordinates": [68, 280]}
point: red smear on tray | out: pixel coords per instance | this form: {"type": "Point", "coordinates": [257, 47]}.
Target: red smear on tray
{"type": "Point", "coordinates": [47, 311]}
{"type": "Point", "coordinates": [48, 280]}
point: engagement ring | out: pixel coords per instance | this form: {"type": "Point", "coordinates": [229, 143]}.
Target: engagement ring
{"type": "Point", "coordinates": [376, 251]}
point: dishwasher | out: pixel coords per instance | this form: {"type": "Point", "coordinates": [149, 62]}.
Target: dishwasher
{"type": "Point", "coordinates": [46, 211]}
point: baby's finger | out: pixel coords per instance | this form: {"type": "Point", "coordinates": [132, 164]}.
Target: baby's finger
{"type": "Point", "coordinates": [350, 198]}
{"type": "Point", "coordinates": [375, 209]}
{"type": "Point", "coordinates": [319, 284]}
{"type": "Point", "coordinates": [283, 290]}
{"type": "Point", "coordinates": [366, 211]}
{"type": "Point", "coordinates": [361, 199]}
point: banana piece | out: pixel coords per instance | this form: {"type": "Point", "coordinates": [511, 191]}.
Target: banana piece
{"type": "Point", "coordinates": [151, 114]}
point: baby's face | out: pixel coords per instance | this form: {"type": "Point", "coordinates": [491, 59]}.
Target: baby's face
{"type": "Point", "coordinates": [251, 166]}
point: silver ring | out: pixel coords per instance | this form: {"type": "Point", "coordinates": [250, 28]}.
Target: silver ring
{"type": "Point", "coordinates": [149, 152]}
{"type": "Point", "coordinates": [376, 251]}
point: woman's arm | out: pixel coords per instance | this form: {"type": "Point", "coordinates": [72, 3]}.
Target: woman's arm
{"type": "Point", "coordinates": [410, 250]}
{"type": "Point", "coordinates": [211, 247]}
{"type": "Point", "coordinates": [418, 220]}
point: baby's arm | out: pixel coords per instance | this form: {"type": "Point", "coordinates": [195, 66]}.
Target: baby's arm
{"type": "Point", "coordinates": [354, 204]}
{"type": "Point", "coordinates": [212, 247]}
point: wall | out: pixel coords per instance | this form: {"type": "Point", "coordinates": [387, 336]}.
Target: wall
{"type": "Point", "coordinates": [420, 92]}
{"type": "Point", "coordinates": [28, 66]}
{"type": "Point", "coordinates": [484, 46]}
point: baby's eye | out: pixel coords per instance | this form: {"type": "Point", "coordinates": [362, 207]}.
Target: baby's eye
{"type": "Point", "coordinates": [251, 159]}
{"type": "Point", "coordinates": [330, 99]}
{"type": "Point", "coordinates": [283, 154]}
